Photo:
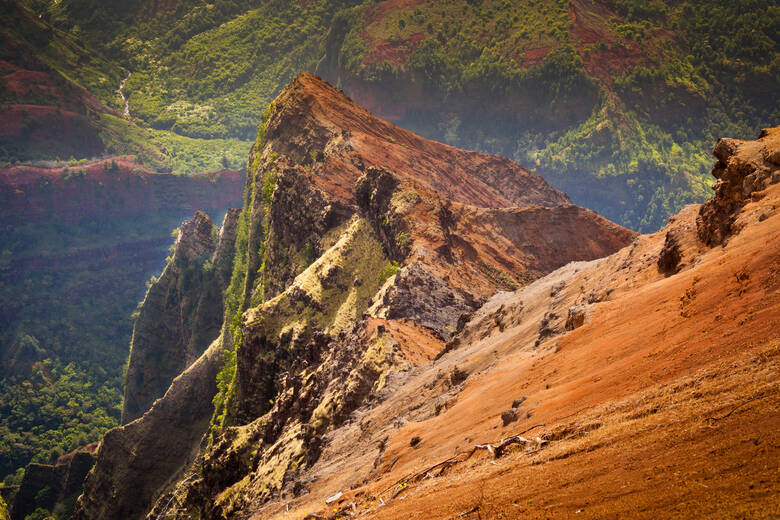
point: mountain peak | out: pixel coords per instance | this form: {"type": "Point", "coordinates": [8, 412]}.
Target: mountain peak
{"type": "Point", "coordinates": [318, 125]}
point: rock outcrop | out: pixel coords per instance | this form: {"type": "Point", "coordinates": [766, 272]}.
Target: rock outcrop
{"type": "Point", "coordinates": [368, 247]}
{"type": "Point", "coordinates": [182, 311]}
{"type": "Point", "coordinates": [136, 461]}
{"type": "Point", "coordinates": [744, 169]}
{"type": "Point", "coordinates": [44, 485]}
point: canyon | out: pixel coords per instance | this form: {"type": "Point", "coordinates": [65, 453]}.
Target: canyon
{"type": "Point", "coordinates": [77, 245]}
{"type": "Point", "coordinates": [377, 259]}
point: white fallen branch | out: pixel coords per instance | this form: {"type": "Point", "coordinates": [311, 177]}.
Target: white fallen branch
{"type": "Point", "coordinates": [333, 498]}
{"type": "Point", "coordinates": [496, 450]}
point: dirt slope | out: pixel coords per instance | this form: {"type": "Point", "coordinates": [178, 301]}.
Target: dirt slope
{"type": "Point", "coordinates": [646, 384]}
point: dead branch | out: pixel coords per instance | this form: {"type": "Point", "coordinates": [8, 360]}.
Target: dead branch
{"type": "Point", "coordinates": [575, 413]}
{"type": "Point", "coordinates": [495, 449]}
{"type": "Point", "coordinates": [467, 513]}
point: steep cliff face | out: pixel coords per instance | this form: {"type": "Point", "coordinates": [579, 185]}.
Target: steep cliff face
{"type": "Point", "coordinates": [182, 312]}
{"type": "Point", "coordinates": [743, 171]}
{"type": "Point", "coordinates": [137, 461]}
{"type": "Point", "coordinates": [317, 126]}
{"type": "Point", "coordinates": [46, 485]}
{"type": "Point", "coordinates": [367, 247]}
{"type": "Point", "coordinates": [314, 146]}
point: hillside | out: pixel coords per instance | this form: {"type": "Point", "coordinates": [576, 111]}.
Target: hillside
{"type": "Point", "coordinates": [58, 100]}
{"type": "Point", "coordinates": [614, 101]}
{"type": "Point", "coordinates": [402, 352]}
{"type": "Point", "coordinates": [582, 392]}
{"type": "Point", "coordinates": [62, 102]}
{"type": "Point", "coordinates": [412, 281]}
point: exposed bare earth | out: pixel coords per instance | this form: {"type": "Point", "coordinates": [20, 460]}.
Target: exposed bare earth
{"type": "Point", "coordinates": [662, 403]}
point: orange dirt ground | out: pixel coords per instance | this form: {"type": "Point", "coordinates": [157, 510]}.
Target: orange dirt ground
{"type": "Point", "coordinates": [664, 404]}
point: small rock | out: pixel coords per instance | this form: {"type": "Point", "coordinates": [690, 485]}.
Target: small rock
{"type": "Point", "coordinates": [509, 416]}
{"type": "Point", "coordinates": [724, 149]}
{"type": "Point", "coordinates": [547, 327]}
{"type": "Point", "coordinates": [457, 376]}
{"type": "Point", "coordinates": [414, 442]}
{"type": "Point", "coordinates": [670, 255]}
{"type": "Point", "coordinates": [517, 402]}
{"type": "Point", "coordinates": [772, 156]}
{"type": "Point", "coordinates": [747, 184]}
{"type": "Point", "coordinates": [576, 317]}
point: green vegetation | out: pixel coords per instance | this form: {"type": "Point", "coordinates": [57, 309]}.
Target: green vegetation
{"type": "Point", "coordinates": [234, 307]}
{"type": "Point", "coordinates": [58, 50]}
{"type": "Point", "coordinates": [212, 84]}
{"type": "Point", "coordinates": [62, 121]}
{"type": "Point", "coordinates": [224, 398]}
{"type": "Point", "coordinates": [53, 410]}
{"type": "Point", "coordinates": [68, 328]}
{"type": "Point", "coordinates": [188, 155]}
{"type": "Point", "coordinates": [387, 271]}
{"type": "Point", "coordinates": [619, 104]}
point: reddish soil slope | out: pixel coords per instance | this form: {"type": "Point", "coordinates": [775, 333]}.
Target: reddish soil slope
{"type": "Point", "coordinates": [644, 384]}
